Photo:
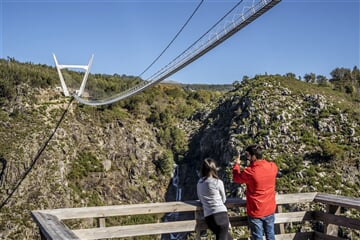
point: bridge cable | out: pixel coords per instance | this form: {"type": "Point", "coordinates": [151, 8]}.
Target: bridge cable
{"type": "Point", "coordinates": [182, 28]}
{"type": "Point", "coordinates": [37, 156]}
{"type": "Point", "coordinates": [2, 173]}
{"type": "Point", "coordinates": [221, 19]}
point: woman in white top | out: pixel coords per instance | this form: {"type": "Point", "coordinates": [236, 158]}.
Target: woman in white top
{"type": "Point", "coordinates": [211, 193]}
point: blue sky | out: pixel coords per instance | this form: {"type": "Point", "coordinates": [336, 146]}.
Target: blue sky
{"type": "Point", "coordinates": [298, 36]}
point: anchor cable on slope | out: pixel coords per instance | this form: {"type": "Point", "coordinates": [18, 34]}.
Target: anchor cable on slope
{"type": "Point", "coordinates": [37, 156]}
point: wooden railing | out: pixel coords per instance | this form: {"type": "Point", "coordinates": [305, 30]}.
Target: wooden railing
{"type": "Point", "coordinates": [324, 211]}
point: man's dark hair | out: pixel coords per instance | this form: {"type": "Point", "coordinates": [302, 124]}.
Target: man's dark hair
{"type": "Point", "coordinates": [255, 150]}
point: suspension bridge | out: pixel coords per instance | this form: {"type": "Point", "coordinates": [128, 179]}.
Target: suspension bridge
{"type": "Point", "coordinates": [222, 30]}
{"type": "Point", "coordinates": [235, 20]}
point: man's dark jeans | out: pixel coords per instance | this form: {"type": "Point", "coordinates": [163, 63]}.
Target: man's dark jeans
{"type": "Point", "coordinates": [258, 226]}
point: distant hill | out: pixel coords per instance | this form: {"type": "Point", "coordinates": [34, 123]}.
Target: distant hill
{"type": "Point", "coordinates": [209, 87]}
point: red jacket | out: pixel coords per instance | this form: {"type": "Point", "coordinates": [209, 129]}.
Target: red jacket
{"type": "Point", "coordinates": [260, 178]}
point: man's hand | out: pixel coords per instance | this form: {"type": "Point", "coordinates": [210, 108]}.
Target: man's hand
{"type": "Point", "coordinates": [237, 160]}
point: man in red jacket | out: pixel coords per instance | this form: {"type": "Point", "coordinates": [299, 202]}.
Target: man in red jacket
{"type": "Point", "coordinates": [260, 178]}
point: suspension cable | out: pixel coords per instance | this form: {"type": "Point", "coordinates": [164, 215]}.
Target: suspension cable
{"type": "Point", "coordinates": [198, 40]}
{"type": "Point", "coordinates": [198, 6]}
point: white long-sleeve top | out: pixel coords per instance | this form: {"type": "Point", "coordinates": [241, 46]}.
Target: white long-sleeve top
{"type": "Point", "coordinates": [211, 193]}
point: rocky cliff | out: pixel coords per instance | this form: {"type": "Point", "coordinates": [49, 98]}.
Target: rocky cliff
{"type": "Point", "coordinates": [312, 134]}
{"type": "Point", "coordinates": [57, 154]}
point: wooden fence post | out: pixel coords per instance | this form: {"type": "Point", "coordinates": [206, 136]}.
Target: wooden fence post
{"type": "Point", "coordinates": [331, 229]}
{"type": "Point", "coordinates": [101, 222]}
{"type": "Point", "coordinates": [198, 216]}
{"type": "Point", "coordinates": [279, 228]}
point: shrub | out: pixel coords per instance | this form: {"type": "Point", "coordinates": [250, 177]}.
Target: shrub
{"type": "Point", "coordinates": [85, 163]}
{"type": "Point", "coordinates": [166, 163]}
{"type": "Point", "coordinates": [331, 151]}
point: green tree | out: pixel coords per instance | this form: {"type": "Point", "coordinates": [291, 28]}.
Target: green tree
{"type": "Point", "coordinates": [166, 163]}
{"type": "Point", "coordinates": [340, 75]}
{"type": "Point", "coordinates": [179, 141]}
{"type": "Point", "coordinates": [290, 75]}
{"type": "Point", "coordinates": [341, 78]}
{"type": "Point", "coordinates": [310, 77]}
{"type": "Point", "coordinates": [355, 75]}
{"type": "Point", "coordinates": [321, 80]}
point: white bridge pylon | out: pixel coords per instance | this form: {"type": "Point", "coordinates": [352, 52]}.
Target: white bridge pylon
{"type": "Point", "coordinates": [83, 83]}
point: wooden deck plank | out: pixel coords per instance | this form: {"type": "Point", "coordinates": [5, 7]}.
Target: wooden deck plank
{"type": "Point", "coordinates": [238, 221]}
{"type": "Point", "coordinates": [295, 236]}
{"type": "Point", "coordinates": [136, 230]}
{"type": "Point", "coordinates": [172, 227]}
{"type": "Point", "coordinates": [338, 220]}
{"type": "Point", "coordinates": [322, 236]}
{"type": "Point", "coordinates": [292, 217]}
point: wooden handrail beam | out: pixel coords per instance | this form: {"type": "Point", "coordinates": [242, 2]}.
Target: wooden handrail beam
{"type": "Point", "coordinates": [123, 210]}
{"type": "Point", "coordinates": [342, 201]}
{"type": "Point", "coordinates": [51, 228]}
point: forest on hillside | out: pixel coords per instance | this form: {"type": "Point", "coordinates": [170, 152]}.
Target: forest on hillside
{"type": "Point", "coordinates": [13, 73]}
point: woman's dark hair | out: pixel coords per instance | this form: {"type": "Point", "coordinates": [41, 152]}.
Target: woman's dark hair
{"type": "Point", "coordinates": [255, 150]}
{"type": "Point", "coordinates": [209, 168]}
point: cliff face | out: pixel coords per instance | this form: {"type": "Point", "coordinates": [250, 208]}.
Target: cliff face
{"type": "Point", "coordinates": [111, 156]}
{"type": "Point", "coordinates": [312, 133]}
{"type": "Point", "coordinates": [92, 159]}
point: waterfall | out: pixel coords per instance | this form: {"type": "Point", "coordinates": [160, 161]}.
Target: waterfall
{"type": "Point", "coordinates": [174, 216]}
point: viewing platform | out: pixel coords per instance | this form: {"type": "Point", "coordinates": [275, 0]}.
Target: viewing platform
{"type": "Point", "coordinates": [314, 215]}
